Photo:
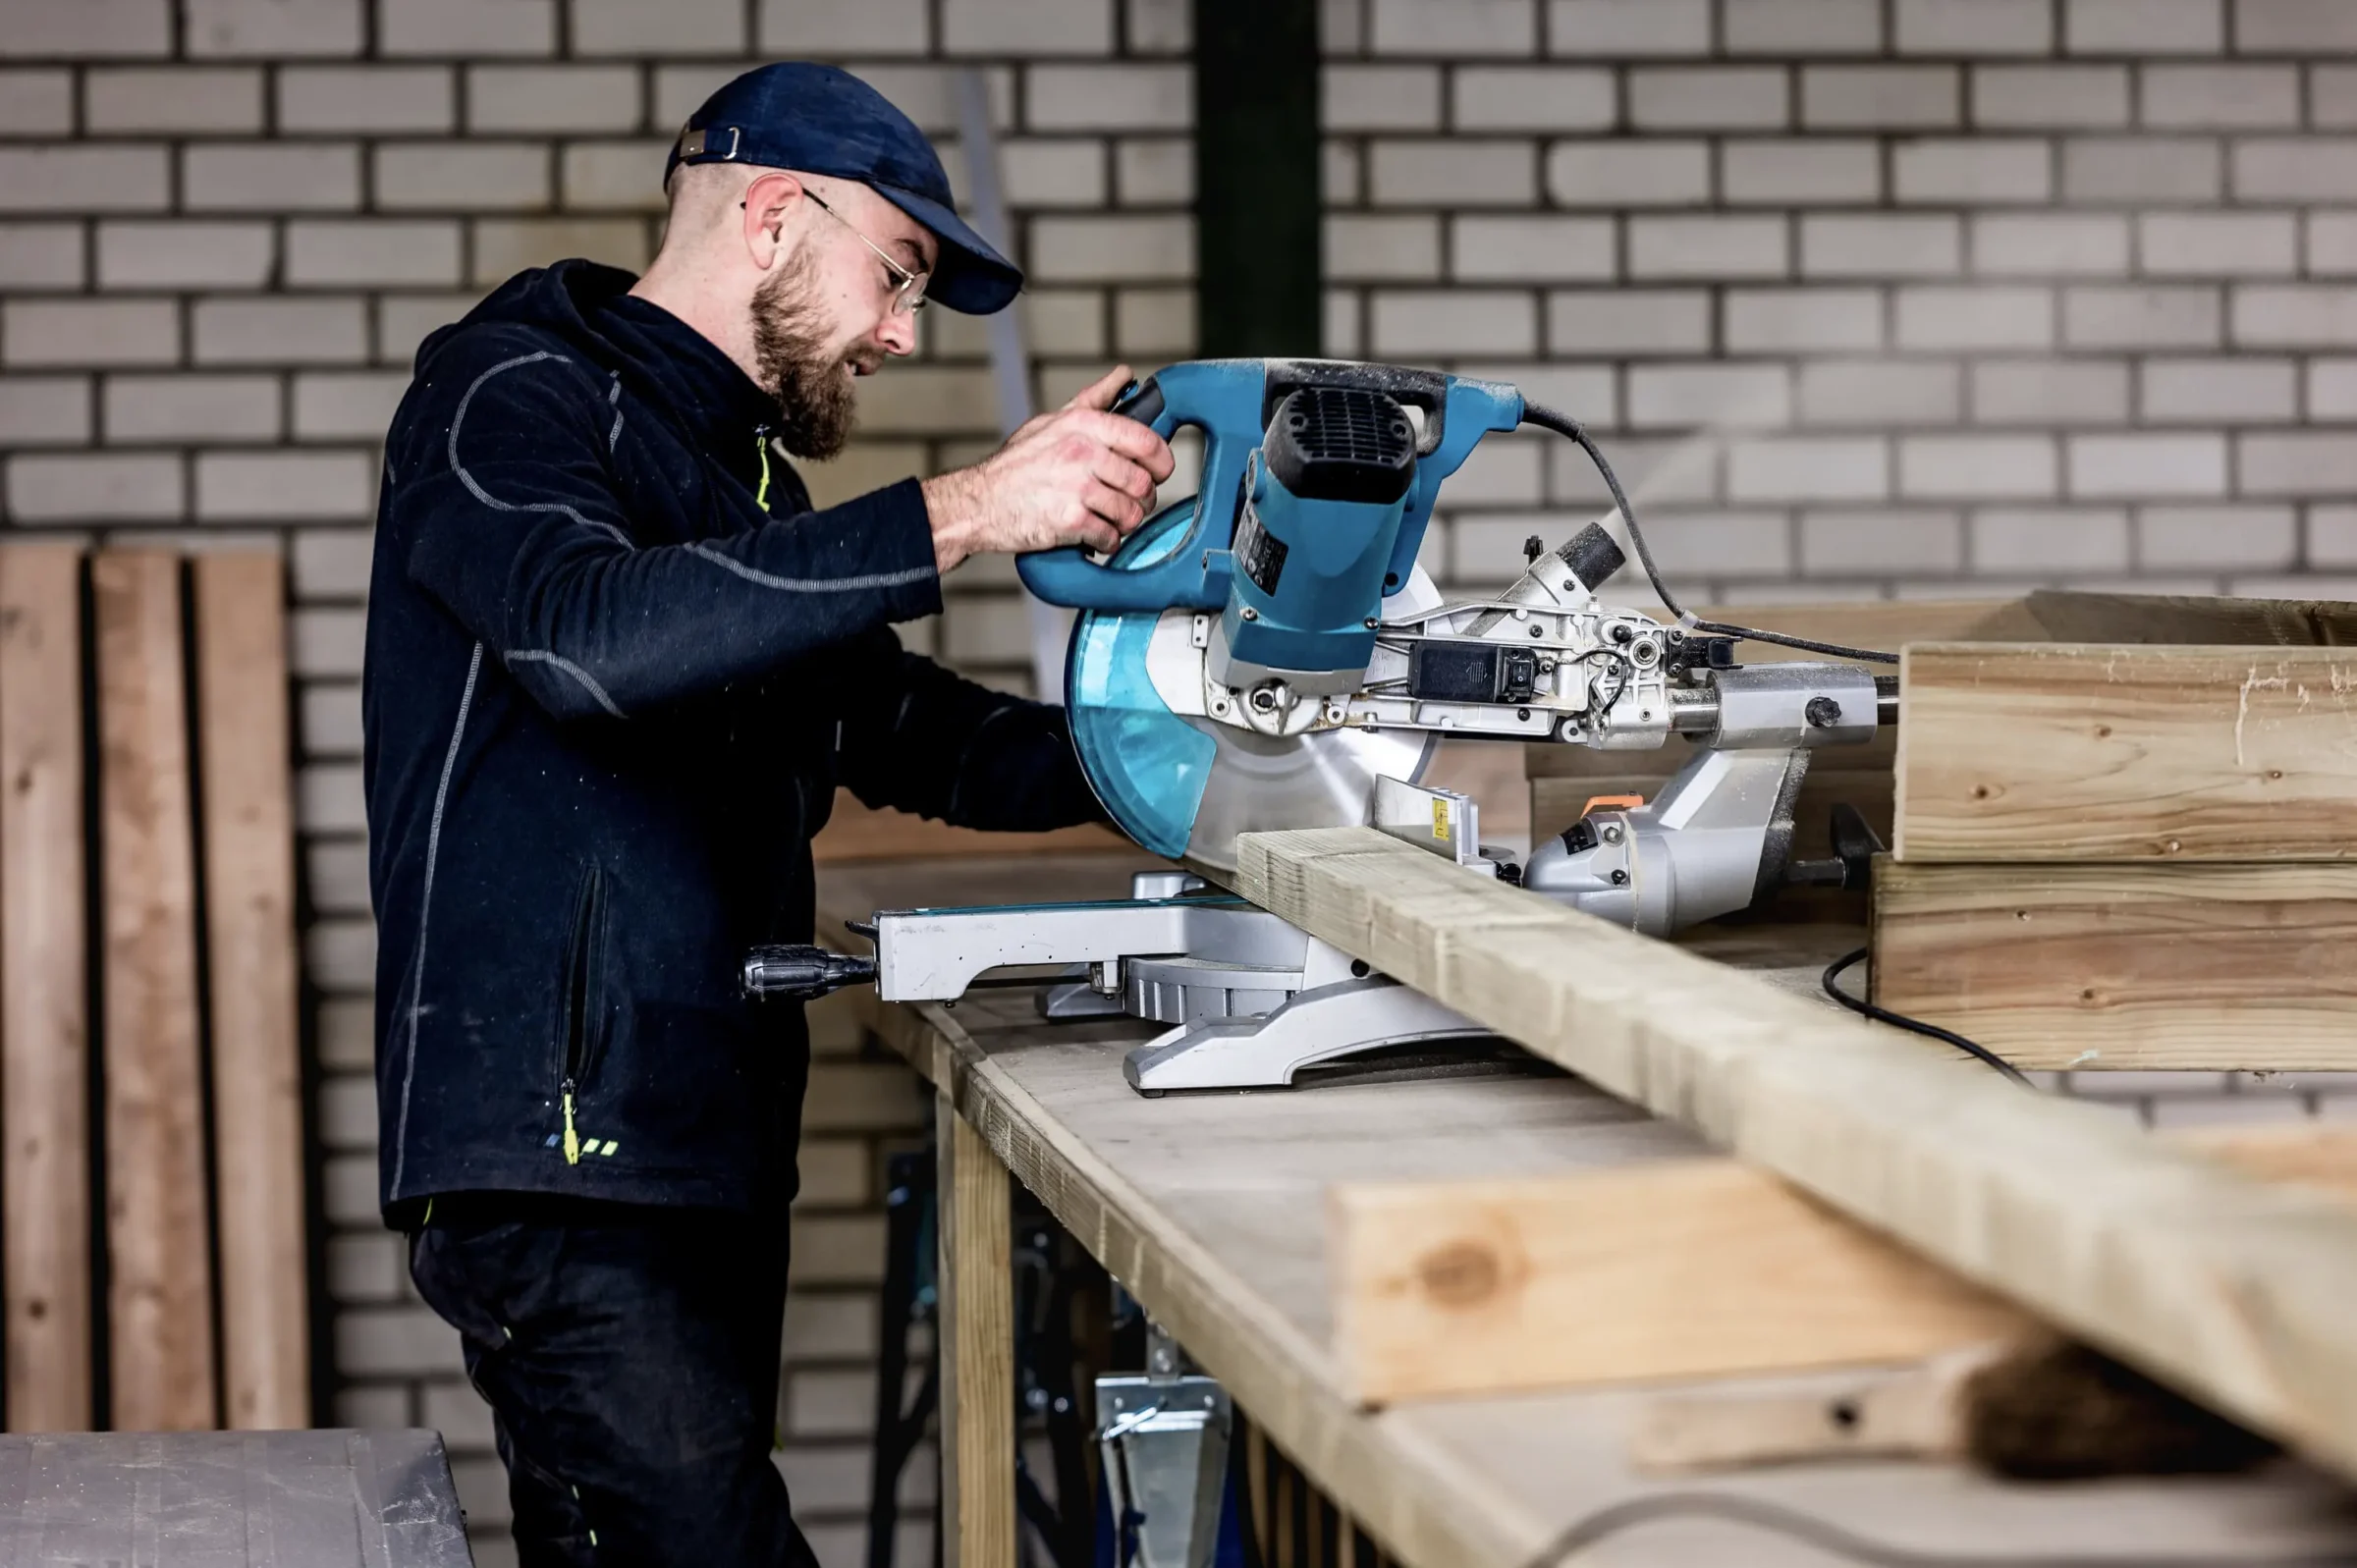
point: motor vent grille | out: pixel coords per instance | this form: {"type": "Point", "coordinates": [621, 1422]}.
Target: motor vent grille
{"type": "Point", "coordinates": [1341, 443]}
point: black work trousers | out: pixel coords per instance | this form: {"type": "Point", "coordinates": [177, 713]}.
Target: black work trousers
{"type": "Point", "coordinates": [630, 1356]}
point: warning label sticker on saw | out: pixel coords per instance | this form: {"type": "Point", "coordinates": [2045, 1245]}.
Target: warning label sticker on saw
{"type": "Point", "coordinates": [1259, 554]}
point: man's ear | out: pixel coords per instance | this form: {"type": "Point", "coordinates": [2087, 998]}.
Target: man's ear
{"type": "Point", "coordinates": [768, 204]}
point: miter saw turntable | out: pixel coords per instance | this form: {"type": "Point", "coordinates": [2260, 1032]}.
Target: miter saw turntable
{"type": "Point", "coordinates": [1269, 655]}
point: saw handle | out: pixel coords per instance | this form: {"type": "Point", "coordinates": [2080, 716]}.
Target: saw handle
{"type": "Point", "coordinates": [1222, 398]}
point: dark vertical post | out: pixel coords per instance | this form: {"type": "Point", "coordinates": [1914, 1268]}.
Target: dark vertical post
{"type": "Point", "coordinates": [1257, 199]}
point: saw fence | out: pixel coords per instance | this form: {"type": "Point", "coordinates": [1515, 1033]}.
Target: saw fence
{"type": "Point", "coordinates": [151, 1190]}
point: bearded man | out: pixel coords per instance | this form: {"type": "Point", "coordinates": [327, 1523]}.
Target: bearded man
{"type": "Point", "coordinates": [616, 668]}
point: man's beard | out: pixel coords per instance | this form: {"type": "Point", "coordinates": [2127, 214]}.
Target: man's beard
{"type": "Point", "coordinates": [813, 386]}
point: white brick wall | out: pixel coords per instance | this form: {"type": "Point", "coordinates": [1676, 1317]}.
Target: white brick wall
{"type": "Point", "coordinates": [2107, 236]}
{"type": "Point", "coordinates": [226, 224]}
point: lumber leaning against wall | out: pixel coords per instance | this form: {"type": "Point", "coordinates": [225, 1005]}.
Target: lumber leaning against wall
{"type": "Point", "coordinates": [2234, 1291]}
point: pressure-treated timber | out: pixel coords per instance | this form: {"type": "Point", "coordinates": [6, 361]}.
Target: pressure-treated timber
{"type": "Point", "coordinates": [160, 1316]}
{"type": "Point", "coordinates": [2191, 965]}
{"type": "Point", "coordinates": [2234, 1291]}
{"type": "Point", "coordinates": [44, 1000]}
{"type": "Point", "coordinates": [241, 738]}
{"type": "Point", "coordinates": [1692, 1268]}
{"type": "Point", "coordinates": [977, 1347]}
{"type": "Point", "coordinates": [2090, 752]}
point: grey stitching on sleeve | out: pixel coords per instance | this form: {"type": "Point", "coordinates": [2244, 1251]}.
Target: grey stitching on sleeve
{"type": "Point", "coordinates": [763, 579]}
{"type": "Point", "coordinates": [557, 661]}
{"type": "Point", "coordinates": [484, 496]}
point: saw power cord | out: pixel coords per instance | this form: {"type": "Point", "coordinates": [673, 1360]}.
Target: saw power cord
{"type": "Point", "coordinates": [1563, 424]}
{"type": "Point", "coordinates": [1827, 1537]}
{"type": "Point", "coordinates": [1859, 1005]}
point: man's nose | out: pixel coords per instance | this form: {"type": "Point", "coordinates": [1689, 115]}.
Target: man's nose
{"type": "Point", "coordinates": [896, 334]}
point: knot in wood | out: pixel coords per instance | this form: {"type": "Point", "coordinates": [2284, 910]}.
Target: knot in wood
{"type": "Point", "coordinates": [1463, 1273]}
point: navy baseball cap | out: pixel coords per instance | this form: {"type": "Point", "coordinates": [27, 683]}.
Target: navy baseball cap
{"type": "Point", "coordinates": [824, 121]}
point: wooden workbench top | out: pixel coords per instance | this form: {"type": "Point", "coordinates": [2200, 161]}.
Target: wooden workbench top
{"type": "Point", "coordinates": [1210, 1209]}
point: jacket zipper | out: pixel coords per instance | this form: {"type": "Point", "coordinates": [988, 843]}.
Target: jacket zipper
{"type": "Point", "coordinates": [761, 441]}
{"type": "Point", "coordinates": [580, 973]}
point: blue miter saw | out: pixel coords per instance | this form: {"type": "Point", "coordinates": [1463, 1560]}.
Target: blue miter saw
{"type": "Point", "coordinates": [1216, 655]}
{"type": "Point", "coordinates": [1269, 655]}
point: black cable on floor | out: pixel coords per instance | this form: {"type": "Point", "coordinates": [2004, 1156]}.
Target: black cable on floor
{"type": "Point", "coordinates": [1563, 424]}
{"type": "Point", "coordinates": [1794, 1525]}
{"type": "Point", "coordinates": [1858, 1004]}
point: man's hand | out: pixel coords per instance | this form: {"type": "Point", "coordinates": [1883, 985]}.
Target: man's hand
{"type": "Point", "coordinates": [1077, 476]}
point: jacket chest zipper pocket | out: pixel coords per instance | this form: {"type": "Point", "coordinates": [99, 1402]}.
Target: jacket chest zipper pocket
{"type": "Point", "coordinates": [584, 1014]}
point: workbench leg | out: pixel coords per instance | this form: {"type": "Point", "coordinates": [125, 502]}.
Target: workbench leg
{"type": "Point", "coordinates": [976, 1329]}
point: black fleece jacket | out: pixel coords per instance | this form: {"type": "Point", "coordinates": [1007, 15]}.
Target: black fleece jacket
{"type": "Point", "coordinates": [616, 668]}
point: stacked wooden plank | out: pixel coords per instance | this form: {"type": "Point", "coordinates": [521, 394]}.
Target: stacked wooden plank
{"type": "Point", "coordinates": [151, 1192]}
{"type": "Point", "coordinates": [2132, 843]}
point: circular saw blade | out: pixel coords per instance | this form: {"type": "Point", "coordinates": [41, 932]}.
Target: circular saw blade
{"type": "Point", "coordinates": [1183, 785]}
{"type": "Point", "coordinates": [1260, 783]}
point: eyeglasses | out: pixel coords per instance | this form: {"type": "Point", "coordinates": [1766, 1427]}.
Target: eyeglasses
{"type": "Point", "coordinates": [909, 292]}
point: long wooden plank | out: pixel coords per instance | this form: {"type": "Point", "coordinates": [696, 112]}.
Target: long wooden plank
{"type": "Point", "coordinates": [2084, 752]}
{"type": "Point", "coordinates": [246, 773]}
{"type": "Point", "coordinates": [978, 1346]}
{"type": "Point", "coordinates": [44, 999]}
{"type": "Point", "coordinates": [159, 1290]}
{"type": "Point", "coordinates": [2197, 965]}
{"type": "Point", "coordinates": [2235, 1291]}
{"type": "Point", "coordinates": [1697, 1268]}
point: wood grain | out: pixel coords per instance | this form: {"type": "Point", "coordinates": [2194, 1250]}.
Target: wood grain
{"type": "Point", "coordinates": [977, 1347]}
{"type": "Point", "coordinates": [2234, 1291]}
{"type": "Point", "coordinates": [249, 836]}
{"type": "Point", "coordinates": [1692, 1268]}
{"type": "Point", "coordinates": [161, 1314]}
{"type": "Point", "coordinates": [44, 999]}
{"type": "Point", "coordinates": [2087, 752]}
{"type": "Point", "coordinates": [2194, 965]}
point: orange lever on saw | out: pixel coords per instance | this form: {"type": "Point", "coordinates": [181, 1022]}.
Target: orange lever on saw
{"type": "Point", "coordinates": [1617, 802]}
